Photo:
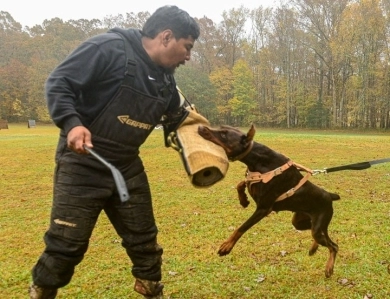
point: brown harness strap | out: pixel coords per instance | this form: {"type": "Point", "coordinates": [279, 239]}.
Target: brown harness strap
{"type": "Point", "coordinates": [301, 167]}
{"type": "Point", "coordinates": [292, 190]}
{"type": "Point", "coordinates": [256, 177]}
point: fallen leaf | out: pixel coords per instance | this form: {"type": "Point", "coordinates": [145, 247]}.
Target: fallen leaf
{"type": "Point", "coordinates": [261, 278]}
{"type": "Point", "coordinates": [343, 281]}
{"type": "Point", "coordinates": [346, 282]}
{"type": "Point", "coordinates": [283, 253]}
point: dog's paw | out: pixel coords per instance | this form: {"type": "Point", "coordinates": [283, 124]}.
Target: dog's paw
{"type": "Point", "coordinates": [328, 272]}
{"type": "Point", "coordinates": [244, 203]}
{"type": "Point", "coordinates": [243, 198]}
{"type": "Point", "coordinates": [225, 249]}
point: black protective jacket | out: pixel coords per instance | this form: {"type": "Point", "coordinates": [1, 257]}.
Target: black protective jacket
{"type": "Point", "coordinates": [83, 84]}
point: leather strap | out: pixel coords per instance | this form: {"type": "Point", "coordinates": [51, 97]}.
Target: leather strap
{"type": "Point", "coordinates": [256, 177]}
{"type": "Point", "coordinates": [292, 190]}
{"type": "Point", "coordinates": [131, 66]}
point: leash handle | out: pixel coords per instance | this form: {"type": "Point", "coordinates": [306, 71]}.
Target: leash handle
{"type": "Point", "coordinates": [356, 166]}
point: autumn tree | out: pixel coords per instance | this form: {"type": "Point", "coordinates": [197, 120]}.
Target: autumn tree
{"type": "Point", "coordinates": [199, 91]}
{"type": "Point", "coordinates": [243, 103]}
{"type": "Point", "coordinates": [222, 80]}
{"type": "Point", "coordinates": [321, 20]}
{"type": "Point", "coordinates": [233, 34]}
{"type": "Point", "coordinates": [370, 47]}
{"type": "Point", "coordinates": [13, 92]}
{"type": "Point", "coordinates": [312, 63]}
{"type": "Point", "coordinates": [206, 52]}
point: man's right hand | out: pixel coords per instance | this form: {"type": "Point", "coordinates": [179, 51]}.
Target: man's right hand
{"type": "Point", "coordinates": [77, 137]}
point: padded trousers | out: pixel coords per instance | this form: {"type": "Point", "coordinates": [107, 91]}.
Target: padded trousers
{"type": "Point", "coordinates": [82, 189]}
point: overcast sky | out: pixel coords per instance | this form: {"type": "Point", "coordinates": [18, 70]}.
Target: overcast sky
{"type": "Point", "coordinates": [34, 12]}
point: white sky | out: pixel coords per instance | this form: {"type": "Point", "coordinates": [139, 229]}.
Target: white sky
{"type": "Point", "coordinates": [34, 12]}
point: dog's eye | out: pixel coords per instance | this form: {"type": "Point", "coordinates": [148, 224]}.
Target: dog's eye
{"type": "Point", "coordinates": [223, 135]}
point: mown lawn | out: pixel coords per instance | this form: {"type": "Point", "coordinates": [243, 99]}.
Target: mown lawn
{"type": "Point", "coordinates": [270, 261]}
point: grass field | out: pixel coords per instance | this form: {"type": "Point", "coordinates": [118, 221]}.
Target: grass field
{"type": "Point", "coordinates": [270, 261]}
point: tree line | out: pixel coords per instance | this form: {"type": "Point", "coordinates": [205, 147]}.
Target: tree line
{"type": "Point", "coordinates": [300, 64]}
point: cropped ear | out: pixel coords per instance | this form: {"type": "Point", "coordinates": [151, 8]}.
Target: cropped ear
{"type": "Point", "coordinates": [251, 133]}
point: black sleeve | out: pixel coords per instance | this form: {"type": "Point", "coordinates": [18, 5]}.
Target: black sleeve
{"type": "Point", "coordinates": [175, 116]}
{"type": "Point", "coordinates": [80, 84]}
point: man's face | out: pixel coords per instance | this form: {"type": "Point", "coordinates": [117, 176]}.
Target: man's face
{"type": "Point", "coordinates": [177, 52]}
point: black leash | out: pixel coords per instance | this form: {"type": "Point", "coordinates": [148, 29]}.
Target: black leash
{"type": "Point", "coordinates": [355, 166]}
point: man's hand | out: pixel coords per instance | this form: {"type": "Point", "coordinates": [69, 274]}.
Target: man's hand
{"type": "Point", "coordinates": [77, 137]}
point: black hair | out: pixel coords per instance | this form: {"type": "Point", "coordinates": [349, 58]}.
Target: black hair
{"type": "Point", "coordinates": [173, 18]}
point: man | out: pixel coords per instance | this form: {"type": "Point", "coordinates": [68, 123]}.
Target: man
{"type": "Point", "coordinates": [109, 94]}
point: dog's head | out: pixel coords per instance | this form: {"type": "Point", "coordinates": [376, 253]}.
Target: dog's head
{"type": "Point", "coordinates": [232, 140]}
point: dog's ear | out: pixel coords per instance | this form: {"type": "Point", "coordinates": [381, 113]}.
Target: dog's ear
{"type": "Point", "coordinates": [251, 133]}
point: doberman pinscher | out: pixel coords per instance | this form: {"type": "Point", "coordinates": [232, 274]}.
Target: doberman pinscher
{"type": "Point", "coordinates": [276, 184]}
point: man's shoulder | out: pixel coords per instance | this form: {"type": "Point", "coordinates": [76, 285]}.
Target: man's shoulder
{"type": "Point", "coordinates": [130, 34]}
{"type": "Point", "coordinates": [104, 38]}
{"type": "Point", "coordinates": [115, 35]}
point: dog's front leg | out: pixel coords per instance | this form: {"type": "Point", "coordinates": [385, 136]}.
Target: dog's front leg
{"type": "Point", "coordinates": [244, 202]}
{"type": "Point", "coordinates": [228, 245]}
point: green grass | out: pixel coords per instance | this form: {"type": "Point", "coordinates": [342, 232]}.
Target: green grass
{"type": "Point", "coordinates": [193, 223]}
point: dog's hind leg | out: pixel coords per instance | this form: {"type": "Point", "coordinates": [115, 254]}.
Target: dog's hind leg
{"type": "Point", "coordinates": [320, 235]}
{"type": "Point", "coordinates": [333, 249]}
{"type": "Point", "coordinates": [301, 221]}
{"type": "Point", "coordinates": [228, 245]}
{"type": "Point", "coordinates": [313, 248]}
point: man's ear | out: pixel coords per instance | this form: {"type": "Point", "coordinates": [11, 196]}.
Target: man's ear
{"type": "Point", "coordinates": [167, 35]}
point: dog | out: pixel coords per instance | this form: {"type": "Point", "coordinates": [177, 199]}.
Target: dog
{"type": "Point", "coordinates": [276, 183]}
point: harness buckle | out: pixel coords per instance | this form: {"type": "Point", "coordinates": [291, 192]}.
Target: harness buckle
{"type": "Point", "coordinates": [290, 192]}
{"type": "Point", "coordinates": [278, 171]}
{"type": "Point", "coordinates": [318, 171]}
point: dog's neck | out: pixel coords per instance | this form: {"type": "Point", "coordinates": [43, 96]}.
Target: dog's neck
{"type": "Point", "coordinates": [262, 158]}
{"type": "Point", "coordinates": [242, 155]}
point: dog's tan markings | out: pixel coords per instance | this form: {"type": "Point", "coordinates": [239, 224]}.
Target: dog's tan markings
{"type": "Point", "coordinates": [65, 223]}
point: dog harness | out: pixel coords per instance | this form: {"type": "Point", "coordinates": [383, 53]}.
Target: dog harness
{"type": "Point", "coordinates": [257, 177]}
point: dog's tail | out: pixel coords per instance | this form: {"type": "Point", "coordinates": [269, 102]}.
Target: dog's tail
{"type": "Point", "coordinates": [334, 196]}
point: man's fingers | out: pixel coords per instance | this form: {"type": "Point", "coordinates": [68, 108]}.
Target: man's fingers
{"type": "Point", "coordinates": [77, 137]}
{"type": "Point", "coordinates": [87, 141]}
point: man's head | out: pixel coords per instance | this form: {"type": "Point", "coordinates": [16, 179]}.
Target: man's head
{"type": "Point", "coordinates": [169, 35]}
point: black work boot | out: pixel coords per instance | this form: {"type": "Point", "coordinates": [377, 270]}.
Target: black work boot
{"type": "Point", "coordinates": [150, 289]}
{"type": "Point", "coordinates": [37, 292]}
